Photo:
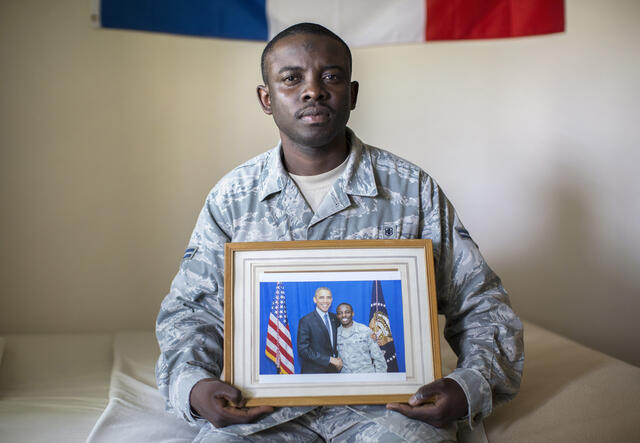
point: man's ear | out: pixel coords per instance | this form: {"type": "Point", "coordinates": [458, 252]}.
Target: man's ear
{"type": "Point", "coordinates": [354, 94]}
{"type": "Point", "coordinates": [264, 98]}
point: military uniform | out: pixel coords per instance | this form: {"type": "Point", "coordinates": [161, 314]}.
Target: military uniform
{"type": "Point", "coordinates": [358, 351]}
{"type": "Point", "coordinates": [379, 196]}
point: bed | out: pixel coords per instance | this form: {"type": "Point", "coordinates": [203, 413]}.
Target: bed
{"type": "Point", "coordinates": [100, 388]}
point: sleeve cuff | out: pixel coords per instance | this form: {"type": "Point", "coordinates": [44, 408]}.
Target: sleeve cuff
{"type": "Point", "coordinates": [182, 390]}
{"type": "Point", "coordinates": [478, 393]}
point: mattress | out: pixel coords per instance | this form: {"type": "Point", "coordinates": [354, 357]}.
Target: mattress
{"type": "Point", "coordinates": [101, 388]}
{"type": "Point", "coordinates": [53, 388]}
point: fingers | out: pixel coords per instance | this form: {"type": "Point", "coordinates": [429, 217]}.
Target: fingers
{"type": "Point", "coordinates": [224, 414]}
{"type": "Point", "coordinates": [223, 404]}
{"type": "Point", "coordinates": [402, 408]}
{"type": "Point", "coordinates": [427, 393]}
{"type": "Point", "coordinates": [421, 398]}
{"type": "Point", "coordinates": [229, 393]}
{"type": "Point", "coordinates": [438, 403]}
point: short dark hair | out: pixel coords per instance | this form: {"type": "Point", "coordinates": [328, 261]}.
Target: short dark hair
{"type": "Point", "coordinates": [346, 304]}
{"type": "Point", "coordinates": [300, 28]}
{"type": "Point", "coordinates": [322, 288]}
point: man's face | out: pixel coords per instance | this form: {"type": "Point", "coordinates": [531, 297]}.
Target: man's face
{"type": "Point", "coordinates": [309, 90]}
{"type": "Point", "coordinates": [345, 315]}
{"type": "Point", "coordinates": [323, 300]}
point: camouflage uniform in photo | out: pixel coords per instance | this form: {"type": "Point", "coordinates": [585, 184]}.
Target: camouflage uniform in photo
{"type": "Point", "coordinates": [358, 351]}
{"type": "Point", "coordinates": [379, 196]}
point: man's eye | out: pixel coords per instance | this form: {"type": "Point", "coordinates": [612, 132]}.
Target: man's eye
{"type": "Point", "coordinates": [290, 78]}
{"type": "Point", "coordinates": [331, 77]}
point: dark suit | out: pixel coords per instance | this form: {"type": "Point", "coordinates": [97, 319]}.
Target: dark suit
{"type": "Point", "coordinates": [314, 345]}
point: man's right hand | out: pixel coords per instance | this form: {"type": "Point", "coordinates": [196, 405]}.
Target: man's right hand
{"type": "Point", "coordinates": [336, 361]}
{"type": "Point", "coordinates": [222, 404]}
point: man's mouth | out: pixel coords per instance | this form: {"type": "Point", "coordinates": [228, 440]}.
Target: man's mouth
{"type": "Point", "coordinates": [314, 114]}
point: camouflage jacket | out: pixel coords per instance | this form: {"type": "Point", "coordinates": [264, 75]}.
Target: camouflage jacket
{"type": "Point", "coordinates": [358, 351]}
{"type": "Point", "coordinates": [379, 196]}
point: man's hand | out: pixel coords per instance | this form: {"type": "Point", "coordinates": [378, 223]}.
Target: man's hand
{"type": "Point", "coordinates": [222, 404]}
{"type": "Point", "coordinates": [439, 403]}
{"type": "Point", "coordinates": [336, 361]}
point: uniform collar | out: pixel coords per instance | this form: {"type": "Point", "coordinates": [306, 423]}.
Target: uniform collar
{"type": "Point", "coordinates": [357, 179]}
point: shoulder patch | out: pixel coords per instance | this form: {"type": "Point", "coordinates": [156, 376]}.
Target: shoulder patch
{"type": "Point", "coordinates": [463, 233]}
{"type": "Point", "coordinates": [189, 252]}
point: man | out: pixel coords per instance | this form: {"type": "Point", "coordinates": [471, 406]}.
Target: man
{"type": "Point", "coordinates": [317, 337]}
{"type": "Point", "coordinates": [357, 349]}
{"type": "Point", "coordinates": [309, 93]}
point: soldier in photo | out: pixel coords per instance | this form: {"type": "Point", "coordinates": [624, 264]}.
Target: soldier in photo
{"type": "Point", "coordinates": [359, 352]}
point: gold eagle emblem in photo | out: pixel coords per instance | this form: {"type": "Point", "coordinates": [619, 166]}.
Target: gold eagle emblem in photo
{"type": "Point", "coordinates": [379, 324]}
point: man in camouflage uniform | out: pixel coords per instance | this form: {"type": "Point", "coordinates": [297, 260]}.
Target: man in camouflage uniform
{"type": "Point", "coordinates": [309, 92]}
{"type": "Point", "coordinates": [358, 351]}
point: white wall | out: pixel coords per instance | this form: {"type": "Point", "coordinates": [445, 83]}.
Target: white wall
{"type": "Point", "coordinates": [110, 141]}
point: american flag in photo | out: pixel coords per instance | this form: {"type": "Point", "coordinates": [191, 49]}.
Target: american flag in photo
{"type": "Point", "coordinates": [279, 348]}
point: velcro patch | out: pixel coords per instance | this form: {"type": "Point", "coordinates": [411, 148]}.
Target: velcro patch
{"type": "Point", "coordinates": [189, 252]}
{"type": "Point", "coordinates": [389, 230]}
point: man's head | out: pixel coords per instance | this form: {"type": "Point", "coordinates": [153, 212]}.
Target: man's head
{"type": "Point", "coordinates": [323, 299]}
{"type": "Point", "coordinates": [308, 88]}
{"type": "Point", "coordinates": [300, 28]}
{"type": "Point", "coordinates": [344, 311]}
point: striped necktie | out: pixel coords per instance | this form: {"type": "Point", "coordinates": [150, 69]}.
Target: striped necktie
{"type": "Point", "coordinates": [326, 323]}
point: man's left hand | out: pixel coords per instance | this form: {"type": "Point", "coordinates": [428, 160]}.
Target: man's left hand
{"type": "Point", "coordinates": [439, 403]}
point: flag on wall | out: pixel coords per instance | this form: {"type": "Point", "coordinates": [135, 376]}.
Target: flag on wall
{"type": "Point", "coordinates": [381, 327]}
{"type": "Point", "coordinates": [279, 348]}
{"type": "Point", "coordinates": [358, 22]}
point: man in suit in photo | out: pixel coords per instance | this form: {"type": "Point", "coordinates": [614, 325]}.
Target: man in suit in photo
{"type": "Point", "coordinates": [317, 337]}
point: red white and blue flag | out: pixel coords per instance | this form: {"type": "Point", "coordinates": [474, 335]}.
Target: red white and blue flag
{"type": "Point", "coordinates": [279, 348]}
{"type": "Point", "coordinates": [358, 22]}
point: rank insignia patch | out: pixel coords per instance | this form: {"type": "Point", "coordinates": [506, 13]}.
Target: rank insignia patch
{"type": "Point", "coordinates": [463, 233]}
{"type": "Point", "coordinates": [189, 252]}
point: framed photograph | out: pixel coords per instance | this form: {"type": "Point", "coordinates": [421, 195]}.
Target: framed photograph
{"type": "Point", "coordinates": [330, 322]}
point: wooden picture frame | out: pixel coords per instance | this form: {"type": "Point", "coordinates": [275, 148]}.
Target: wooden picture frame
{"type": "Point", "coordinates": [275, 281]}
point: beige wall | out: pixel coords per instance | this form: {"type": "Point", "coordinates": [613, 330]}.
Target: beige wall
{"type": "Point", "coordinates": [110, 141]}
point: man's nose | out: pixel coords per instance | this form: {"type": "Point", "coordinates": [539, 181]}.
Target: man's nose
{"type": "Point", "coordinates": [314, 90]}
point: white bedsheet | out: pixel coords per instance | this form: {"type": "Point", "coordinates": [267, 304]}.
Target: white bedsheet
{"type": "Point", "coordinates": [135, 412]}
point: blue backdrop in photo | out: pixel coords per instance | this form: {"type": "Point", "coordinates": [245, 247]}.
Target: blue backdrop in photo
{"type": "Point", "coordinates": [299, 297]}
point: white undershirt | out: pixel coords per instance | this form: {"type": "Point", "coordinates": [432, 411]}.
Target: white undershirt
{"type": "Point", "coordinates": [314, 188]}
